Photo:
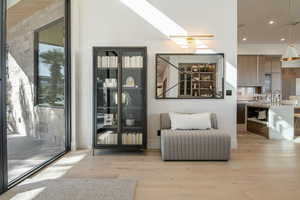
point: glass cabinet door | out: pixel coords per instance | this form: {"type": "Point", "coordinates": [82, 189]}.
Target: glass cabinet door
{"type": "Point", "coordinates": [133, 95]}
{"type": "Point", "coordinates": [107, 63]}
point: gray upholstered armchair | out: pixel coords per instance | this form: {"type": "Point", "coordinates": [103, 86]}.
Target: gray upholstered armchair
{"type": "Point", "coordinates": [212, 144]}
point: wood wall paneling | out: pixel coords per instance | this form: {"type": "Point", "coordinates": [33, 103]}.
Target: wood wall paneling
{"type": "Point", "coordinates": [247, 70]}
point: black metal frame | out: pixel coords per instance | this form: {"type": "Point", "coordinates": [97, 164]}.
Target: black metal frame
{"type": "Point", "coordinates": [3, 140]}
{"type": "Point", "coordinates": [4, 185]}
{"type": "Point", "coordinates": [191, 54]}
{"type": "Point", "coordinates": [120, 50]}
{"type": "Point", "coordinates": [36, 61]}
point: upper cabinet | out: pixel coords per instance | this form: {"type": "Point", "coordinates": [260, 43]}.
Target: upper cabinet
{"type": "Point", "coordinates": [252, 69]}
{"type": "Point", "coordinates": [247, 70]}
{"type": "Point", "coordinates": [264, 67]}
{"type": "Point", "coordinates": [276, 64]}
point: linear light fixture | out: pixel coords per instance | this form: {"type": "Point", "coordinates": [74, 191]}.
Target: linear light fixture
{"type": "Point", "coordinates": [192, 40]}
{"type": "Point", "coordinates": [194, 37]}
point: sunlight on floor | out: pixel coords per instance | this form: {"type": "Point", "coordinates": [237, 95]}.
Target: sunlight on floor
{"type": "Point", "coordinates": [32, 188]}
{"type": "Point", "coordinates": [58, 169]}
{"type": "Point", "coordinates": [28, 195]}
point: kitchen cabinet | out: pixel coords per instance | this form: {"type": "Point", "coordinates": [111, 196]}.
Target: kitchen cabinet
{"type": "Point", "coordinates": [247, 70]}
{"type": "Point", "coordinates": [264, 67]}
{"type": "Point", "coordinates": [241, 113]}
{"type": "Point", "coordinates": [252, 70]}
{"type": "Point", "coordinates": [120, 104]}
{"type": "Point", "coordinates": [276, 82]}
{"type": "Point", "coordinates": [258, 128]}
{"type": "Point", "coordinates": [276, 64]}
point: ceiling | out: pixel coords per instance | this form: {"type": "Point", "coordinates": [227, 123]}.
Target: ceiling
{"type": "Point", "coordinates": [53, 34]}
{"type": "Point", "coordinates": [21, 9]}
{"type": "Point", "coordinates": [254, 17]}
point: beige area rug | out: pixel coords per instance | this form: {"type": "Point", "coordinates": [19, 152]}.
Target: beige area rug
{"type": "Point", "coordinates": [73, 189]}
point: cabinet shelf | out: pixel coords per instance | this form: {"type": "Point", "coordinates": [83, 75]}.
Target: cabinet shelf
{"type": "Point", "coordinates": [124, 107]}
{"type": "Point", "coordinates": [133, 68]}
{"type": "Point", "coordinates": [124, 88]}
{"type": "Point", "coordinates": [107, 68]}
{"type": "Point", "coordinates": [126, 128]}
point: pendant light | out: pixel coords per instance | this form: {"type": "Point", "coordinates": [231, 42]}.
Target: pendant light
{"type": "Point", "coordinates": [291, 53]}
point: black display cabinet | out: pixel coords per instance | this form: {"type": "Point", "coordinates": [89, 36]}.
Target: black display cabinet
{"type": "Point", "coordinates": [120, 97]}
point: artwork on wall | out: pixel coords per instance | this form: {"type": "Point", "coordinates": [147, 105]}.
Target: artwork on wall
{"type": "Point", "coordinates": [190, 76]}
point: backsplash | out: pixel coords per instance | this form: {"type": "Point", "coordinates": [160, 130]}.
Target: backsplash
{"type": "Point", "coordinates": [247, 93]}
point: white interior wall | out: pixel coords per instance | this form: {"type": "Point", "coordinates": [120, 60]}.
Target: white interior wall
{"type": "Point", "coordinates": [111, 23]}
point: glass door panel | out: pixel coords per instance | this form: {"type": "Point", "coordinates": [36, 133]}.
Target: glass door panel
{"type": "Point", "coordinates": [107, 98]}
{"type": "Point", "coordinates": [133, 97]}
{"type": "Point", "coordinates": [35, 80]}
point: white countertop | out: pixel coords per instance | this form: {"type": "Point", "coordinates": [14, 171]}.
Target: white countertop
{"type": "Point", "coordinates": [268, 105]}
{"type": "Point", "coordinates": [265, 105]}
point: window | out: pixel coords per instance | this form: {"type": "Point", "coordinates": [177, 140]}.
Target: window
{"type": "Point", "coordinates": [50, 62]}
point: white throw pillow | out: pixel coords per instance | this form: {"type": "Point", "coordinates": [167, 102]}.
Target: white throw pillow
{"type": "Point", "coordinates": [190, 121]}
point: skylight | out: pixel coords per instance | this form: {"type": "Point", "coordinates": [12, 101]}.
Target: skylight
{"type": "Point", "coordinates": [155, 17]}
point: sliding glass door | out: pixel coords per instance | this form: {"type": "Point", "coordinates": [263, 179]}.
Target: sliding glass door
{"type": "Point", "coordinates": [37, 89]}
{"type": "Point", "coordinates": [3, 140]}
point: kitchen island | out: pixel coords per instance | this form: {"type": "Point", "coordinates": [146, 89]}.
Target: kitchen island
{"type": "Point", "coordinates": [273, 121]}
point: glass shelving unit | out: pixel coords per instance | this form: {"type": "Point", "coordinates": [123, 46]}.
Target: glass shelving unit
{"type": "Point", "coordinates": [120, 110]}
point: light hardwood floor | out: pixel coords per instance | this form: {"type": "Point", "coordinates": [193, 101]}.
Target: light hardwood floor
{"type": "Point", "coordinates": [259, 169]}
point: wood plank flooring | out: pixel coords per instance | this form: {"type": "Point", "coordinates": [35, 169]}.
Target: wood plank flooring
{"type": "Point", "coordinates": [259, 169]}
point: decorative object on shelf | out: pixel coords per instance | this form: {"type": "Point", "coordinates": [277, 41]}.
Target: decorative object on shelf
{"type": "Point", "coordinates": [262, 115]}
{"type": "Point", "coordinates": [108, 119]}
{"type": "Point", "coordinates": [108, 137]}
{"type": "Point", "coordinates": [132, 138]}
{"type": "Point", "coordinates": [110, 83]}
{"type": "Point", "coordinates": [107, 61]}
{"type": "Point", "coordinates": [126, 99]}
{"type": "Point", "coordinates": [130, 82]}
{"type": "Point", "coordinates": [120, 110]}
{"type": "Point", "coordinates": [189, 76]}
{"type": "Point", "coordinates": [130, 121]}
{"type": "Point", "coordinates": [133, 61]}
{"type": "Point", "coordinates": [206, 77]}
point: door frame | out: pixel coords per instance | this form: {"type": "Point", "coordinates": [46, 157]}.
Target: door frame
{"type": "Point", "coordinates": [4, 185]}
{"type": "Point", "coordinates": [3, 138]}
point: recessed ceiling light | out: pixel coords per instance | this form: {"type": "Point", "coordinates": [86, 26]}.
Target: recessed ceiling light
{"type": "Point", "coordinates": [244, 39]}
{"type": "Point", "coordinates": [271, 22]}
{"type": "Point", "coordinates": [282, 39]}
